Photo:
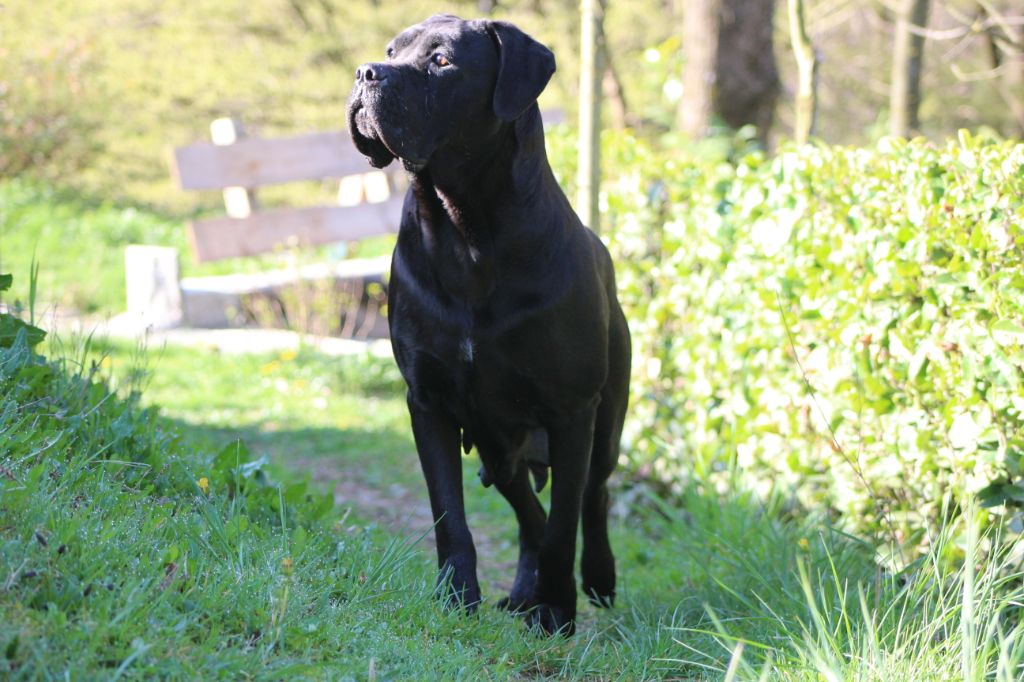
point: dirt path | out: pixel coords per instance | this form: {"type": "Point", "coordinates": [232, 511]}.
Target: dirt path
{"type": "Point", "coordinates": [406, 512]}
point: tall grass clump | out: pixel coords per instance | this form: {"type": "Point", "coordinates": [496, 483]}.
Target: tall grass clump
{"type": "Point", "coordinates": [774, 598]}
{"type": "Point", "coordinates": [924, 623]}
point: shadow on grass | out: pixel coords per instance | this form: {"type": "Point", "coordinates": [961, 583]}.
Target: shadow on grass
{"type": "Point", "coordinates": [373, 456]}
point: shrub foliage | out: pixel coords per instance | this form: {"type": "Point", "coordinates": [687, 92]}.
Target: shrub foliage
{"type": "Point", "coordinates": [845, 323]}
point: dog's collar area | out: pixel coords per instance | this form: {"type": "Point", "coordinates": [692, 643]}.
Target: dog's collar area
{"type": "Point", "coordinates": [413, 166]}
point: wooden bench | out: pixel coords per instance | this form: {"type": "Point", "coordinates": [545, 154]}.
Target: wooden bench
{"type": "Point", "coordinates": [236, 164]}
{"type": "Point", "coordinates": [368, 205]}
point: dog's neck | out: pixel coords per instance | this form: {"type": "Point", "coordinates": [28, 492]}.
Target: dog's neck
{"type": "Point", "coordinates": [469, 203]}
{"type": "Point", "coordinates": [463, 175]}
{"type": "Point", "coordinates": [471, 183]}
{"type": "Point", "coordinates": [457, 196]}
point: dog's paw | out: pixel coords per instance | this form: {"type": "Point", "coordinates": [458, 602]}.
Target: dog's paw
{"type": "Point", "coordinates": [466, 599]}
{"type": "Point", "coordinates": [598, 577]}
{"type": "Point", "coordinates": [601, 598]}
{"type": "Point", "coordinates": [458, 592]}
{"type": "Point", "coordinates": [552, 620]}
{"type": "Point", "coordinates": [513, 604]}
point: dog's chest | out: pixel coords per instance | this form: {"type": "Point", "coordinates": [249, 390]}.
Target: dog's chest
{"type": "Point", "coordinates": [492, 391]}
{"type": "Point", "coordinates": [466, 350]}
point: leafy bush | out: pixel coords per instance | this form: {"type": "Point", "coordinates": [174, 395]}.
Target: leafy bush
{"type": "Point", "coordinates": [846, 324]}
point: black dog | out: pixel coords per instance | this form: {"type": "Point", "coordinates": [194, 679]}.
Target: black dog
{"type": "Point", "coordinates": [501, 304]}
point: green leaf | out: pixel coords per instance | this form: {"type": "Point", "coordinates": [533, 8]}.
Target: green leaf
{"type": "Point", "coordinates": [6, 281]}
{"type": "Point", "coordinates": [1007, 333]}
{"type": "Point", "coordinates": [11, 327]}
{"type": "Point", "coordinates": [253, 469]}
{"type": "Point", "coordinates": [993, 495]}
{"type": "Point", "coordinates": [11, 650]}
{"type": "Point", "coordinates": [230, 456]}
{"type": "Point", "coordinates": [300, 538]}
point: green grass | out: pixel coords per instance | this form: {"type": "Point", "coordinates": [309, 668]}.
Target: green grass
{"type": "Point", "coordinates": [37, 221]}
{"type": "Point", "coordinates": [115, 563]}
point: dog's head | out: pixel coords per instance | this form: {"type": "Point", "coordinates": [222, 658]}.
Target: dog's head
{"type": "Point", "coordinates": [445, 83]}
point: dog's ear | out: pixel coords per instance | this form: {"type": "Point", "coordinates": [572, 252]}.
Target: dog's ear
{"type": "Point", "coordinates": [524, 69]}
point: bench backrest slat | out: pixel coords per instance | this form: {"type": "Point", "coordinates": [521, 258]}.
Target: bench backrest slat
{"type": "Point", "coordinates": [255, 161]}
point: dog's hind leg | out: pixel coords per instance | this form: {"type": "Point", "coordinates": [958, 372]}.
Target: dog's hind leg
{"type": "Point", "coordinates": [597, 563]}
{"type": "Point", "coordinates": [570, 436]}
{"type": "Point", "coordinates": [531, 517]}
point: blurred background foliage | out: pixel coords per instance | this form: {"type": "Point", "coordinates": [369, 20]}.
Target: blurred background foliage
{"type": "Point", "coordinates": [94, 92]}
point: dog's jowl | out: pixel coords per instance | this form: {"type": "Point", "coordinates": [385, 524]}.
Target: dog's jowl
{"type": "Point", "coordinates": [502, 307]}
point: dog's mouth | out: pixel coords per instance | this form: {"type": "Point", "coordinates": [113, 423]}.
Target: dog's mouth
{"type": "Point", "coordinates": [375, 140]}
{"type": "Point", "coordinates": [365, 135]}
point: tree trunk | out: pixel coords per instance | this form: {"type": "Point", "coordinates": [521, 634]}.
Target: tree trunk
{"type": "Point", "coordinates": [613, 92]}
{"type": "Point", "coordinates": [905, 93]}
{"type": "Point", "coordinates": [700, 45]}
{"type": "Point", "coordinates": [1006, 55]}
{"type": "Point", "coordinates": [747, 76]}
{"type": "Point", "coordinates": [611, 84]}
{"type": "Point", "coordinates": [730, 71]}
{"type": "Point", "coordinates": [1011, 87]}
{"type": "Point", "coordinates": [806, 105]}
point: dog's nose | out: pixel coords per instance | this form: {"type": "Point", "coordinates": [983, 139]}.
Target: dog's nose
{"type": "Point", "coordinates": [372, 73]}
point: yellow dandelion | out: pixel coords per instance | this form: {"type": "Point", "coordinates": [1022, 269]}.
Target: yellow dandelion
{"type": "Point", "coordinates": [804, 544]}
{"type": "Point", "coordinates": [204, 485]}
{"type": "Point", "coordinates": [270, 367]}
{"type": "Point", "coordinates": [288, 355]}
{"type": "Point", "coordinates": [287, 565]}
{"type": "Point", "coordinates": [106, 362]}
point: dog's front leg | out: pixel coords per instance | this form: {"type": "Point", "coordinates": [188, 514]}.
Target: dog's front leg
{"type": "Point", "coordinates": [437, 442]}
{"type": "Point", "coordinates": [570, 439]}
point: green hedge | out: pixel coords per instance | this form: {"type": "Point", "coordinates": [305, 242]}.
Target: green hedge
{"type": "Point", "coordinates": [894, 274]}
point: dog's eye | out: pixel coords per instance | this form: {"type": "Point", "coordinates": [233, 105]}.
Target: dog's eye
{"type": "Point", "coordinates": [390, 52]}
{"type": "Point", "coordinates": [441, 60]}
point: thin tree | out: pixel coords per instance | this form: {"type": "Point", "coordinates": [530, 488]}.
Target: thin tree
{"type": "Point", "coordinates": [1005, 42]}
{"type": "Point", "coordinates": [908, 46]}
{"type": "Point", "coordinates": [588, 174]}
{"type": "Point", "coordinates": [806, 104]}
{"type": "Point", "coordinates": [700, 45]}
{"type": "Point", "coordinates": [747, 81]}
